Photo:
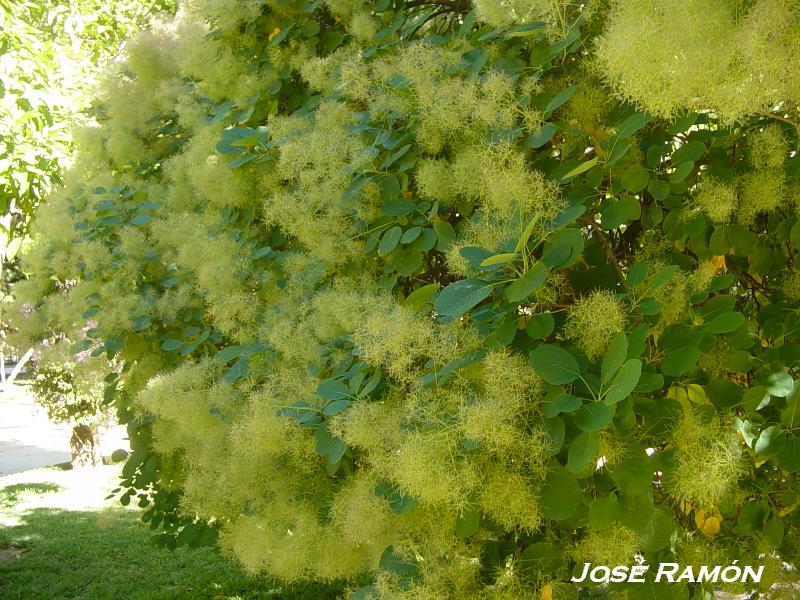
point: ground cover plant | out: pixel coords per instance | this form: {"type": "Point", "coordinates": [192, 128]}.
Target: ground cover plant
{"type": "Point", "coordinates": [456, 295]}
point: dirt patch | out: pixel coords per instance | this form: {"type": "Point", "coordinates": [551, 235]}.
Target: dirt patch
{"type": "Point", "coordinates": [11, 553]}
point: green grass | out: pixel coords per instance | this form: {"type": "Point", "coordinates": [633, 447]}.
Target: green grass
{"type": "Point", "coordinates": [108, 555]}
{"type": "Point", "coordinates": [10, 494]}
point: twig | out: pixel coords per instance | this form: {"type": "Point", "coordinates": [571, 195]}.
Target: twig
{"type": "Point", "coordinates": [609, 250]}
{"type": "Point", "coordinates": [452, 5]}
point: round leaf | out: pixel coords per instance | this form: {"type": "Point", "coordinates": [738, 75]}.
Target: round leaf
{"type": "Point", "coordinates": [583, 452]}
{"type": "Point", "coordinates": [594, 416]}
{"type": "Point", "coordinates": [561, 495]}
{"type": "Point", "coordinates": [540, 326]}
{"type": "Point", "coordinates": [554, 364]}
{"type": "Point", "coordinates": [542, 557]}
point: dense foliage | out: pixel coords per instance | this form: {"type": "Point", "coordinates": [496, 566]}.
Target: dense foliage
{"type": "Point", "coordinates": [50, 53]}
{"type": "Point", "coordinates": [460, 296]}
{"type": "Point", "coordinates": [49, 56]}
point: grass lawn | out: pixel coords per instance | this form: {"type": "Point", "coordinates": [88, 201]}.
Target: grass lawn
{"type": "Point", "coordinates": [60, 539]}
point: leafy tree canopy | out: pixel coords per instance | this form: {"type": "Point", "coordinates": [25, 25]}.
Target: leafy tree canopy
{"type": "Point", "coordinates": [49, 55]}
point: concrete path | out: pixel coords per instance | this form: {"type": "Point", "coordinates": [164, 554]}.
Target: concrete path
{"type": "Point", "coordinates": [28, 440]}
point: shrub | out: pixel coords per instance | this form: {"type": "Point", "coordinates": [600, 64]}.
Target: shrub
{"type": "Point", "coordinates": [398, 291]}
{"type": "Point", "coordinates": [70, 388]}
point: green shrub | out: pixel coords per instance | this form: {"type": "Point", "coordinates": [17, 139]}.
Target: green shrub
{"type": "Point", "coordinates": [421, 290]}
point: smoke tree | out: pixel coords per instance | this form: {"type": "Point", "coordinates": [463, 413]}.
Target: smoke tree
{"type": "Point", "coordinates": [460, 296]}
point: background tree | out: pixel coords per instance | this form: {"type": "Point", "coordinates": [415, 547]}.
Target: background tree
{"type": "Point", "coordinates": [50, 55]}
{"type": "Point", "coordinates": [459, 296]}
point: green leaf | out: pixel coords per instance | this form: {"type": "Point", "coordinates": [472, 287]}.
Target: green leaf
{"type": "Point", "coordinates": [583, 452]}
{"type": "Point", "coordinates": [631, 125]}
{"type": "Point", "coordinates": [331, 389]}
{"type": "Point", "coordinates": [635, 178]}
{"type": "Point", "coordinates": [554, 364]}
{"type": "Point", "coordinates": [542, 557]}
{"type": "Point", "coordinates": [604, 510]}
{"type": "Point", "coordinates": [789, 454]}
{"type": "Point", "coordinates": [411, 234]}
{"type": "Point", "coordinates": [770, 441]}
{"type": "Point", "coordinates": [774, 530]}
{"type": "Point", "coordinates": [445, 233]}
{"type": "Point", "coordinates": [368, 592]}
{"type": "Point", "coordinates": [526, 235]}
{"type": "Point", "coordinates": [691, 151]}
{"type": "Point", "coordinates": [794, 235]}
{"type": "Point", "coordinates": [657, 533]}
{"type": "Point", "coordinates": [141, 219]}
{"type": "Point", "coordinates": [726, 322]}
{"type": "Point", "coordinates": [649, 306]}
{"type": "Point", "coordinates": [498, 259]}
{"type": "Point", "coordinates": [394, 156]}
{"type": "Point", "coordinates": [240, 369]}
{"type": "Point", "coordinates": [751, 517]}
{"type": "Point", "coordinates": [614, 356]}
{"type": "Point", "coordinates": [624, 382]}
{"type": "Point", "coordinates": [468, 522]}
{"type": "Point", "coordinates": [562, 402]}
{"type": "Point", "coordinates": [637, 510]}
{"type": "Point", "coordinates": [171, 345]}
{"type": "Point", "coordinates": [525, 285]}
{"type": "Point", "coordinates": [540, 326]}
{"type": "Point", "coordinates": [637, 274]}
{"type": "Point", "coordinates": [396, 565]}
{"type": "Point", "coordinates": [556, 431]}
{"type": "Point", "coordinates": [618, 211]}
{"type": "Point", "coordinates": [780, 384]}
{"type": "Point", "coordinates": [658, 188]}
{"type": "Point", "coordinates": [581, 168]}
{"type": "Point", "coordinates": [390, 240]}
{"type": "Point", "coordinates": [421, 296]}
{"type": "Point", "coordinates": [241, 161]}
{"type": "Point", "coordinates": [680, 361]}
{"type": "Point", "coordinates": [724, 393]}
{"type": "Point", "coordinates": [663, 277]}
{"type": "Point", "coordinates": [227, 354]}
{"type": "Point", "coordinates": [563, 248]}
{"type": "Point", "coordinates": [619, 150]}
{"type": "Point", "coordinates": [634, 475]}
{"type": "Point", "coordinates": [457, 298]}
{"type": "Point", "coordinates": [399, 502]}
{"type": "Point", "coordinates": [560, 496]}
{"type": "Point", "coordinates": [329, 445]}
{"type": "Point", "coordinates": [541, 137]}
{"type": "Point", "coordinates": [790, 416]}
{"type": "Point", "coordinates": [84, 345]}
{"type": "Point", "coordinates": [525, 30]}
{"type": "Point", "coordinates": [594, 416]}
{"type": "Point", "coordinates": [681, 172]}
{"type": "Point", "coordinates": [335, 407]}
{"type": "Point", "coordinates": [560, 98]}
{"type": "Point", "coordinates": [398, 207]}
{"type": "Point", "coordinates": [567, 216]}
